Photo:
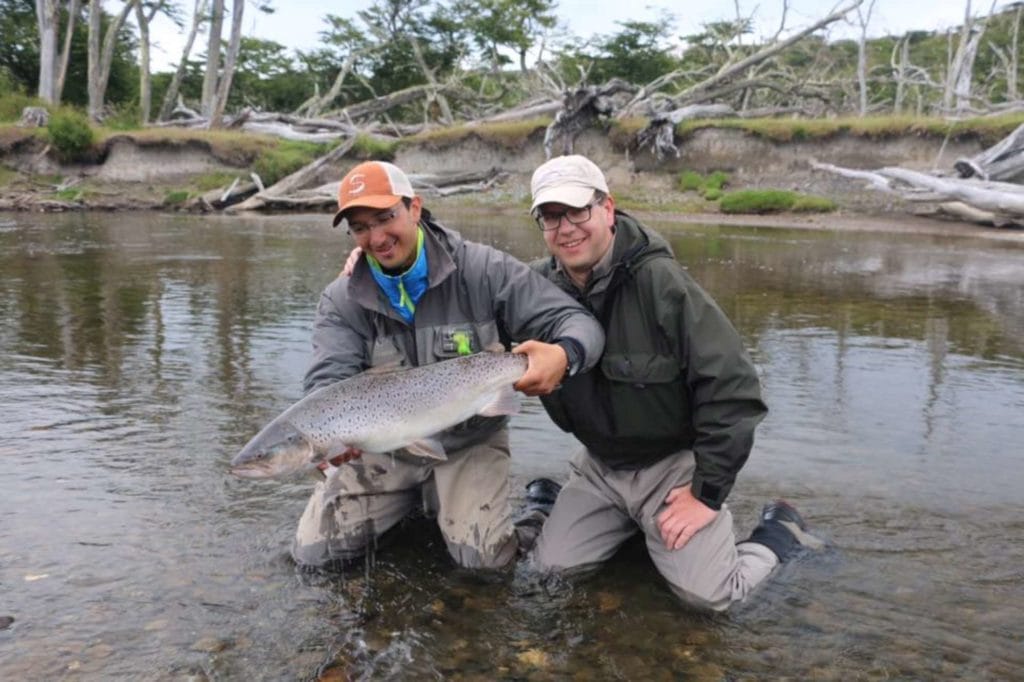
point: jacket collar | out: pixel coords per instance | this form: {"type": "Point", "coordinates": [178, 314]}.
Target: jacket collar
{"type": "Point", "coordinates": [439, 242]}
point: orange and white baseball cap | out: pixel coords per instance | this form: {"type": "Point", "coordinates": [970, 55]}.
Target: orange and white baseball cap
{"type": "Point", "coordinates": [372, 184]}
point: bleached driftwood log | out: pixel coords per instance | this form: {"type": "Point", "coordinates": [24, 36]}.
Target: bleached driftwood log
{"type": "Point", "coordinates": [988, 202]}
{"type": "Point", "coordinates": [295, 181]}
{"type": "Point", "coordinates": [1001, 161]}
{"type": "Point", "coordinates": [660, 133]}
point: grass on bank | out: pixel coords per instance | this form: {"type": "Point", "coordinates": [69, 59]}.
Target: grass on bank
{"type": "Point", "coordinates": [988, 130]}
{"type": "Point", "coordinates": [761, 201]}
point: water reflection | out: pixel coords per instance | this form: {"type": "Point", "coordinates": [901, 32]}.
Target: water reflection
{"type": "Point", "coordinates": [138, 352]}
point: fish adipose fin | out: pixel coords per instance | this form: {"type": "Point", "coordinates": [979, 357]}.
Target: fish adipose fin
{"type": "Point", "coordinates": [506, 402]}
{"type": "Point", "coordinates": [428, 448]}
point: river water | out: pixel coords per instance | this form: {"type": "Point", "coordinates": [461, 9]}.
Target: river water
{"type": "Point", "coordinates": [139, 352]}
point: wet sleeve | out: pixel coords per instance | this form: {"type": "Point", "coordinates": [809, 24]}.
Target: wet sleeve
{"type": "Point", "coordinates": [341, 339]}
{"type": "Point", "coordinates": [532, 307]}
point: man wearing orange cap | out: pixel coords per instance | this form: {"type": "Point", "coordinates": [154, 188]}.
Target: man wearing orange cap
{"type": "Point", "coordinates": [418, 294]}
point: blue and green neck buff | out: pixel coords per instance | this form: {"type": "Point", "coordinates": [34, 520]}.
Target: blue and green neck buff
{"type": "Point", "coordinates": [405, 290]}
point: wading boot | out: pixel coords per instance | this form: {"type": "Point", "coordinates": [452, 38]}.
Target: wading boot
{"type": "Point", "coordinates": [783, 531]}
{"type": "Point", "coordinates": [540, 497]}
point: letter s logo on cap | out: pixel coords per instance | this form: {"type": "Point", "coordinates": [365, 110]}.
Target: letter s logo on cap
{"type": "Point", "coordinates": [356, 184]}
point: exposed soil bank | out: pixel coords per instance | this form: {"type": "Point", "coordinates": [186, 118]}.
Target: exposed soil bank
{"type": "Point", "coordinates": [135, 176]}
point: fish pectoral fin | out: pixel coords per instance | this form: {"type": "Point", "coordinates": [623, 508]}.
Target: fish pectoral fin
{"type": "Point", "coordinates": [505, 402]}
{"type": "Point", "coordinates": [428, 448]}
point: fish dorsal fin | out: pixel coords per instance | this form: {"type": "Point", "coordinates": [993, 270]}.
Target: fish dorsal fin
{"type": "Point", "coordinates": [506, 402]}
{"type": "Point", "coordinates": [495, 347]}
{"type": "Point", "coordinates": [428, 448]}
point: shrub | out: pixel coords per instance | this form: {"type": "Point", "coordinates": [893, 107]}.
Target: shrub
{"type": "Point", "coordinates": [690, 181]}
{"type": "Point", "coordinates": [715, 181]}
{"type": "Point", "coordinates": [773, 201]}
{"type": "Point", "coordinates": [811, 204]}
{"type": "Point", "coordinates": [176, 197]}
{"type": "Point", "coordinates": [757, 201]}
{"type": "Point", "coordinates": [367, 147]}
{"type": "Point", "coordinates": [70, 133]}
{"type": "Point", "coordinates": [283, 159]}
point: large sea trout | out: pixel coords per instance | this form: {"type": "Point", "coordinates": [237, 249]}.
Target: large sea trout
{"type": "Point", "coordinates": [382, 412]}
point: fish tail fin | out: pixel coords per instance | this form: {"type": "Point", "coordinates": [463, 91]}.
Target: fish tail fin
{"type": "Point", "coordinates": [505, 402]}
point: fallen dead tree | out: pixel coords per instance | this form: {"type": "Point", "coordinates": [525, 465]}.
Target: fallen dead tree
{"type": "Point", "coordinates": [1000, 204]}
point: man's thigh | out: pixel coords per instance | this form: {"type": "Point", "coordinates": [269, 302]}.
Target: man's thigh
{"type": "Point", "coordinates": [473, 513]}
{"type": "Point", "coordinates": [588, 521]}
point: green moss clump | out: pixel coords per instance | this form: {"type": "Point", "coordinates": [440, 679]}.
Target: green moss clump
{"type": "Point", "coordinates": [773, 201]}
{"type": "Point", "coordinates": [70, 133]}
{"type": "Point", "coordinates": [806, 203]}
{"type": "Point", "coordinates": [691, 181]}
{"type": "Point", "coordinates": [176, 197]}
{"type": "Point", "coordinates": [214, 180]}
{"type": "Point", "coordinates": [285, 158]}
{"type": "Point", "coordinates": [375, 148]}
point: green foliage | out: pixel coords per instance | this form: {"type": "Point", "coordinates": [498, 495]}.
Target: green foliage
{"type": "Point", "coordinates": [70, 194]}
{"type": "Point", "coordinates": [19, 53]}
{"type": "Point", "coordinates": [638, 53]}
{"type": "Point", "coordinates": [757, 201]}
{"type": "Point", "coordinates": [691, 181]}
{"type": "Point", "coordinates": [70, 133]}
{"type": "Point", "coordinates": [716, 181]}
{"type": "Point", "coordinates": [285, 158]}
{"type": "Point", "coordinates": [214, 180]}
{"type": "Point", "coordinates": [176, 197]}
{"type": "Point", "coordinates": [806, 203]}
{"type": "Point", "coordinates": [7, 176]}
{"type": "Point", "coordinates": [367, 147]}
{"type": "Point", "coordinates": [12, 103]}
{"type": "Point", "coordinates": [772, 201]}
{"type": "Point", "coordinates": [123, 117]}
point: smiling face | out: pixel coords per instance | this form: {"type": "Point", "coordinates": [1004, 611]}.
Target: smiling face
{"type": "Point", "coordinates": [389, 235]}
{"type": "Point", "coordinates": [580, 247]}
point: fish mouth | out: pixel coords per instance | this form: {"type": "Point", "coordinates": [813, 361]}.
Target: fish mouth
{"type": "Point", "coordinates": [278, 450]}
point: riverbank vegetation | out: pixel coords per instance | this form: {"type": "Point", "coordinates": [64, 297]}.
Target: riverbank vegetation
{"type": "Point", "coordinates": [434, 73]}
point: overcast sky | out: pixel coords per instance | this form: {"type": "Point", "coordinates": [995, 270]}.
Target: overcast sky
{"type": "Point", "coordinates": [296, 23]}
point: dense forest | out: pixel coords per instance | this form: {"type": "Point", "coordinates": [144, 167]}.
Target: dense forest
{"type": "Point", "coordinates": [469, 59]}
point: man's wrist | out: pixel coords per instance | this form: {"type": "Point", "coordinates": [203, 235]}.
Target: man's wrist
{"type": "Point", "coordinates": [573, 354]}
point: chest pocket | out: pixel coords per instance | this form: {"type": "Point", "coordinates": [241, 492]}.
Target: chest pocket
{"type": "Point", "coordinates": [647, 395]}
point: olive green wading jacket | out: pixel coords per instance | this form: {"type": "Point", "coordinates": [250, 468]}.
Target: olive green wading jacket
{"type": "Point", "coordinates": [674, 374]}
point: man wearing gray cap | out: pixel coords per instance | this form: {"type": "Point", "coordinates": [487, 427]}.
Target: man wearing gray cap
{"type": "Point", "coordinates": [667, 417]}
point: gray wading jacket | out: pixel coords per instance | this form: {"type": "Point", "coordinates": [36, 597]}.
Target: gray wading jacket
{"type": "Point", "coordinates": [674, 374]}
{"type": "Point", "coordinates": [475, 293]}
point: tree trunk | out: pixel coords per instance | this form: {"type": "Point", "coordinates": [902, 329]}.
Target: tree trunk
{"type": "Point", "coordinates": [95, 29]}
{"type": "Point", "coordinates": [47, 20]}
{"type": "Point", "coordinates": [100, 60]}
{"type": "Point", "coordinates": [224, 88]}
{"type": "Point", "coordinates": [434, 93]}
{"type": "Point", "coordinates": [862, 57]}
{"type": "Point", "coordinates": [212, 59]}
{"type": "Point", "coordinates": [65, 54]}
{"type": "Point", "coordinates": [171, 96]}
